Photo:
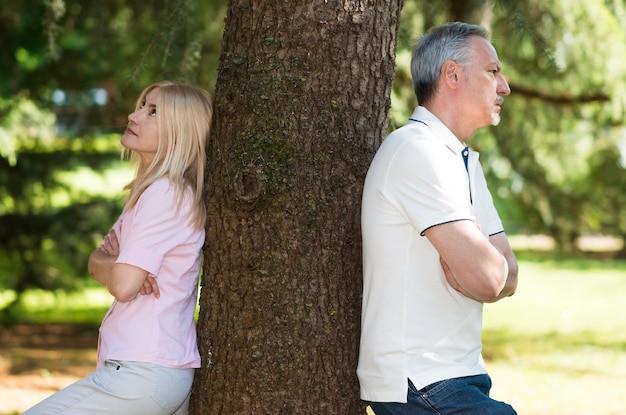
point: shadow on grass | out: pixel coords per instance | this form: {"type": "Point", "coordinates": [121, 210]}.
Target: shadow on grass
{"type": "Point", "coordinates": [62, 348]}
{"type": "Point", "coordinates": [577, 352]}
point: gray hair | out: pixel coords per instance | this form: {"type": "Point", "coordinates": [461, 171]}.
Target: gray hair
{"type": "Point", "coordinates": [438, 45]}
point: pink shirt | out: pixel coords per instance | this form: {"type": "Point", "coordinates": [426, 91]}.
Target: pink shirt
{"type": "Point", "coordinates": [156, 237]}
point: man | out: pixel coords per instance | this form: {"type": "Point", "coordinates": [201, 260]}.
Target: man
{"type": "Point", "coordinates": [434, 249]}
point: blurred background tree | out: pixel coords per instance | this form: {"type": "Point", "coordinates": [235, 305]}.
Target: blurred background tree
{"type": "Point", "coordinates": [564, 119]}
{"type": "Point", "coordinates": [71, 70]}
{"type": "Point", "coordinates": [557, 161]}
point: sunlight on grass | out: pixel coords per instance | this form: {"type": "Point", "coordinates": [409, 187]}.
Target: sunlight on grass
{"type": "Point", "coordinates": [108, 183]}
{"type": "Point", "coordinates": [557, 346]}
{"type": "Point", "coordinates": [85, 306]}
{"type": "Point", "coordinates": [6, 297]}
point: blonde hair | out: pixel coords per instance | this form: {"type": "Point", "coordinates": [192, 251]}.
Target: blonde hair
{"type": "Point", "coordinates": [184, 115]}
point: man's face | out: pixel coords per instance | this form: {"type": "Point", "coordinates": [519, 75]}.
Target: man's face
{"type": "Point", "coordinates": [484, 85]}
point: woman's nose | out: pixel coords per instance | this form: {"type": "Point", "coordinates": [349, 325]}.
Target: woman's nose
{"type": "Point", "coordinates": [132, 117]}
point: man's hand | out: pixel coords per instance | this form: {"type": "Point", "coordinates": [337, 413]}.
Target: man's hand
{"type": "Point", "coordinates": [451, 280]}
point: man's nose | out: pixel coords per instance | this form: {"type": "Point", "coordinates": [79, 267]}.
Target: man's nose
{"type": "Point", "coordinates": [503, 87]}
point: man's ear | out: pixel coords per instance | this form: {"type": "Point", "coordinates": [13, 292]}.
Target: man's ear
{"type": "Point", "coordinates": [450, 74]}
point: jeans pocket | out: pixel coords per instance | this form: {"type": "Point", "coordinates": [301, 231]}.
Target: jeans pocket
{"type": "Point", "coordinates": [108, 375]}
{"type": "Point", "coordinates": [172, 387]}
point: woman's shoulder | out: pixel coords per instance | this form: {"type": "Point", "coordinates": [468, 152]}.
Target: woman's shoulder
{"type": "Point", "coordinates": [162, 186]}
{"type": "Point", "coordinates": [162, 189]}
{"type": "Point", "coordinates": [163, 183]}
{"type": "Point", "coordinates": [166, 189]}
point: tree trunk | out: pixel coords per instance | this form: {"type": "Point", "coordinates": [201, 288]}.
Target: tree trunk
{"type": "Point", "coordinates": [301, 106]}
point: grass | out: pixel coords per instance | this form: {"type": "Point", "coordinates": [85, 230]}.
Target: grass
{"type": "Point", "coordinates": [86, 306]}
{"type": "Point", "coordinates": [40, 307]}
{"type": "Point", "coordinates": [558, 346]}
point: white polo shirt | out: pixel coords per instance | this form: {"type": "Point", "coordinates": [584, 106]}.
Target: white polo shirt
{"type": "Point", "coordinates": [414, 325]}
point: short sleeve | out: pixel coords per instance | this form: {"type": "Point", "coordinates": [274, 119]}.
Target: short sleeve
{"type": "Point", "coordinates": [486, 213]}
{"type": "Point", "coordinates": [153, 227]}
{"type": "Point", "coordinates": [430, 190]}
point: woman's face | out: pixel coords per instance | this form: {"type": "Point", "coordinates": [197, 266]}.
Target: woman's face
{"type": "Point", "coordinates": [142, 135]}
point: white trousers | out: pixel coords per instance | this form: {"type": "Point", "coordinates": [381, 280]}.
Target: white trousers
{"type": "Point", "coordinates": [121, 387]}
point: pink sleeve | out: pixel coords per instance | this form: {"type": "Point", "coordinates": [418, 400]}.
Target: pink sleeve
{"type": "Point", "coordinates": [153, 228]}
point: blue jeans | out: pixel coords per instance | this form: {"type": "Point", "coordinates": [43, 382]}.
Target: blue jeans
{"type": "Point", "coordinates": [459, 396]}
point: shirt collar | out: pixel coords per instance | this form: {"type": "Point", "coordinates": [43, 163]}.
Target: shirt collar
{"type": "Point", "coordinates": [424, 116]}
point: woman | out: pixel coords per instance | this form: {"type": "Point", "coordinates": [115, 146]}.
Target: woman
{"type": "Point", "coordinates": [150, 261]}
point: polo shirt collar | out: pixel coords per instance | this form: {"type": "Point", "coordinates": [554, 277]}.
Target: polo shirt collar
{"type": "Point", "coordinates": [424, 116]}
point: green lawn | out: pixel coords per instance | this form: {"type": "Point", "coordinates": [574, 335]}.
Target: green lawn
{"type": "Point", "coordinates": [558, 346]}
{"type": "Point", "coordinates": [38, 306]}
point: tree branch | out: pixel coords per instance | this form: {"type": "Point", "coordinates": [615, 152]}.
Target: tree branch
{"type": "Point", "coordinates": [558, 98]}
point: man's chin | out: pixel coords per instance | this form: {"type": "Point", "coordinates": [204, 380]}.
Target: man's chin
{"type": "Point", "coordinates": [495, 120]}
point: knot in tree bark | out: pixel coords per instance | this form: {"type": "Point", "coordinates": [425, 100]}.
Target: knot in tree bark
{"type": "Point", "coordinates": [248, 185]}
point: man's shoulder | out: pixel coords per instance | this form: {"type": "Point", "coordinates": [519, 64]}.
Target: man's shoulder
{"type": "Point", "coordinates": [411, 137]}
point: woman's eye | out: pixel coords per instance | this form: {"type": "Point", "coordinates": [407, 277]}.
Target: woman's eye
{"type": "Point", "coordinates": [153, 112]}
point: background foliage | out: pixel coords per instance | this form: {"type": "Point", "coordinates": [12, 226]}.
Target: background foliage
{"type": "Point", "coordinates": [71, 71]}
{"type": "Point", "coordinates": [557, 162]}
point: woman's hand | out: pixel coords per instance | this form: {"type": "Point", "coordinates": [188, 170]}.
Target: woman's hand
{"type": "Point", "coordinates": [150, 286]}
{"type": "Point", "coordinates": [102, 259]}
{"type": "Point", "coordinates": [110, 245]}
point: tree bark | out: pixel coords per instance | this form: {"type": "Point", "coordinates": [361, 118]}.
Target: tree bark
{"type": "Point", "coordinates": [301, 105]}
